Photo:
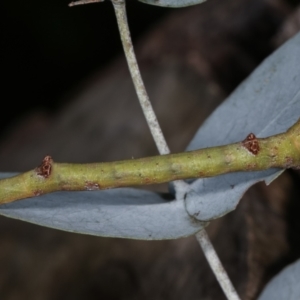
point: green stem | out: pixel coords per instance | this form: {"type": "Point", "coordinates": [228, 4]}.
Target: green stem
{"type": "Point", "coordinates": [281, 151]}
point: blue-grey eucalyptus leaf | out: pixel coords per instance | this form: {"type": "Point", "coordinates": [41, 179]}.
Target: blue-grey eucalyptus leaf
{"type": "Point", "coordinates": [266, 103]}
{"type": "Point", "coordinates": [124, 212]}
{"type": "Point", "coordinates": [285, 285]}
{"type": "Point", "coordinates": [172, 3]}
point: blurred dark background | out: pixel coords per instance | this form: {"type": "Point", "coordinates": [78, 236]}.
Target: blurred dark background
{"type": "Point", "coordinates": [48, 48]}
{"type": "Point", "coordinates": [66, 92]}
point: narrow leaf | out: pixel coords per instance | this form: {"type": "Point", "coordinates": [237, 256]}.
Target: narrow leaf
{"type": "Point", "coordinates": [266, 103]}
{"type": "Point", "coordinates": [124, 212]}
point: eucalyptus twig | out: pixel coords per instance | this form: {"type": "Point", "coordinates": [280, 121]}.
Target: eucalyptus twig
{"type": "Point", "coordinates": [252, 154]}
{"type": "Point", "coordinates": [216, 265]}
{"type": "Point", "coordinates": [282, 150]}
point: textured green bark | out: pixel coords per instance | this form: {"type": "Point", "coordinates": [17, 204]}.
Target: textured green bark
{"type": "Point", "coordinates": [282, 151]}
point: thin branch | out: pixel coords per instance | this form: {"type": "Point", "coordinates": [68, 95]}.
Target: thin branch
{"type": "Point", "coordinates": [282, 151]}
{"type": "Point", "coordinates": [82, 2]}
{"type": "Point", "coordinates": [140, 89]}
{"type": "Point", "coordinates": [216, 265]}
{"type": "Point", "coordinates": [120, 11]}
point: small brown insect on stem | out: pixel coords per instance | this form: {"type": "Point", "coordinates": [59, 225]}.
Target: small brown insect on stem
{"type": "Point", "coordinates": [251, 144]}
{"type": "Point", "coordinates": [45, 168]}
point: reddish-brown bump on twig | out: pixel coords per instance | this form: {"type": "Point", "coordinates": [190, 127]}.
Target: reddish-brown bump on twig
{"type": "Point", "coordinates": [251, 144]}
{"type": "Point", "coordinates": [288, 162]}
{"type": "Point", "coordinates": [45, 168]}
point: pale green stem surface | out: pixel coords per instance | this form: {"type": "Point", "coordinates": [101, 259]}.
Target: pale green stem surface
{"type": "Point", "coordinates": [282, 151]}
